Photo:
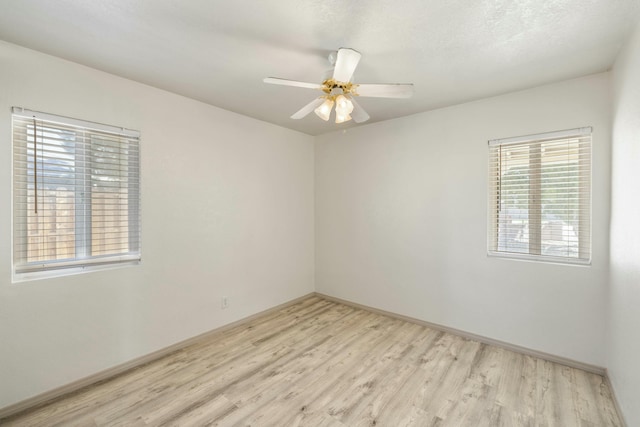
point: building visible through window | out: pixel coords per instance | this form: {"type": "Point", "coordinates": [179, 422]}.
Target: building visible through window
{"type": "Point", "coordinates": [540, 196]}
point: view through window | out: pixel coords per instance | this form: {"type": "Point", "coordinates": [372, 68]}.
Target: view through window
{"type": "Point", "coordinates": [76, 193]}
{"type": "Point", "coordinates": [540, 196]}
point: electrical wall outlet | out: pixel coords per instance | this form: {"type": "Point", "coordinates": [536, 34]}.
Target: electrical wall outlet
{"type": "Point", "coordinates": [225, 302]}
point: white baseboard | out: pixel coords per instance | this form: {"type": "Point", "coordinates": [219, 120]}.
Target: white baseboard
{"type": "Point", "coordinates": [616, 402]}
{"type": "Point", "coordinates": [58, 392]}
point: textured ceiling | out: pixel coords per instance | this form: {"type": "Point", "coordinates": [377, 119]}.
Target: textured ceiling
{"type": "Point", "coordinates": [219, 51]}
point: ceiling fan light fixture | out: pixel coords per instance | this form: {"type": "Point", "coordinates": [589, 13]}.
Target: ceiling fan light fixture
{"type": "Point", "coordinates": [344, 106]}
{"type": "Point", "coordinates": [342, 118]}
{"type": "Point", "coordinates": [340, 91]}
{"type": "Point", "coordinates": [324, 110]}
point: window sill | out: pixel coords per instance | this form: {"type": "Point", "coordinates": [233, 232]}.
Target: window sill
{"type": "Point", "coordinates": [69, 271]}
{"type": "Point", "coordinates": [540, 259]}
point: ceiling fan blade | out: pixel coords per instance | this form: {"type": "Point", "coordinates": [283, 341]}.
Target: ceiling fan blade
{"type": "Point", "coordinates": [308, 108]}
{"type": "Point", "coordinates": [346, 64]}
{"type": "Point", "coordinates": [392, 90]}
{"type": "Point", "coordinates": [285, 82]}
{"type": "Point", "coordinates": [358, 114]}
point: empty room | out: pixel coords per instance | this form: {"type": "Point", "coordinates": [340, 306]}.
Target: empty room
{"type": "Point", "coordinates": [320, 213]}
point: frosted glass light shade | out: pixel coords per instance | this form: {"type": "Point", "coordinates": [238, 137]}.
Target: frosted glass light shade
{"type": "Point", "coordinates": [341, 118]}
{"type": "Point", "coordinates": [344, 107]}
{"type": "Point", "coordinates": [324, 110]}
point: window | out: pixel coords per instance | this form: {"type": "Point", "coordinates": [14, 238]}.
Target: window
{"type": "Point", "coordinates": [540, 196]}
{"type": "Point", "coordinates": [76, 194]}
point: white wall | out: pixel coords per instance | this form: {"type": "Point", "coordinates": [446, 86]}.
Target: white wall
{"type": "Point", "coordinates": [401, 215]}
{"type": "Point", "coordinates": [624, 310]}
{"type": "Point", "coordinates": [227, 206]}
{"type": "Point", "coordinates": [400, 209]}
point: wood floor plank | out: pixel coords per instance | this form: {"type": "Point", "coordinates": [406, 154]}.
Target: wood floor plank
{"type": "Point", "coordinates": [326, 379]}
{"type": "Point", "coordinates": [321, 363]}
{"type": "Point", "coordinates": [231, 342]}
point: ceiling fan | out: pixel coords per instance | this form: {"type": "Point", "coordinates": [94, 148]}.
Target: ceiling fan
{"type": "Point", "coordinates": [341, 91]}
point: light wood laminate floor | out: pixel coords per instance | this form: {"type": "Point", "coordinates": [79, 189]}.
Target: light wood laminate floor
{"type": "Point", "coordinates": [320, 363]}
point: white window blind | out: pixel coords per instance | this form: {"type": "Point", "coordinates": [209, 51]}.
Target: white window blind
{"type": "Point", "coordinates": [76, 193]}
{"type": "Point", "coordinates": [540, 196]}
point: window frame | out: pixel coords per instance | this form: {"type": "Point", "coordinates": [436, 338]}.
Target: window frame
{"type": "Point", "coordinates": [494, 210]}
{"type": "Point", "coordinates": [82, 261]}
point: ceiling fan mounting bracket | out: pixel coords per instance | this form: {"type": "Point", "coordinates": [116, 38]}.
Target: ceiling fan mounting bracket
{"type": "Point", "coordinates": [347, 88]}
